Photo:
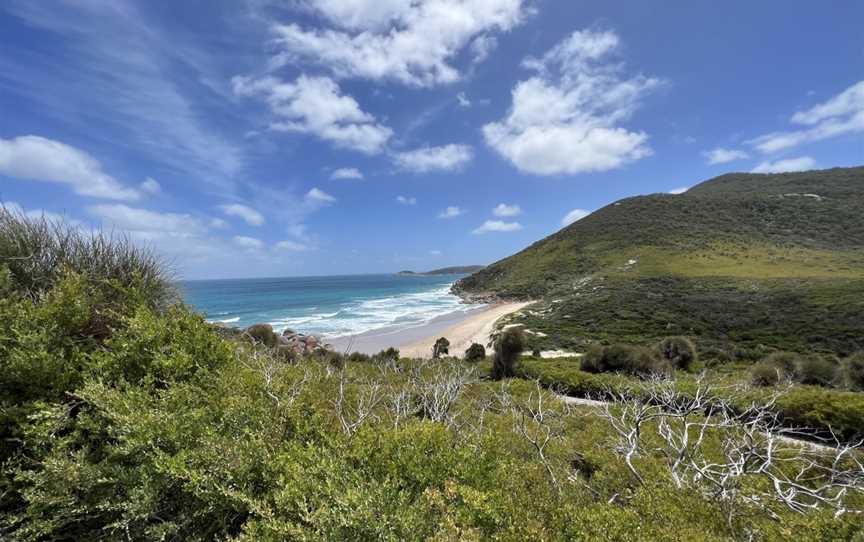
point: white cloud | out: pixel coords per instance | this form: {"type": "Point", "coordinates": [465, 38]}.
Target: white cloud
{"type": "Point", "coordinates": [406, 200]}
{"type": "Point", "coordinates": [803, 163]}
{"type": "Point", "coordinates": [722, 156]}
{"type": "Point", "coordinates": [482, 47]}
{"type": "Point", "coordinates": [435, 252]}
{"type": "Point", "coordinates": [291, 246]}
{"type": "Point", "coordinates": [36, 158]}
{"type": "Point", "coordinates": [842, 114]}
{"type": "Point", "coordinates": [16, 208]}
{"type": "Point", "coordinates": [319, 196]}
{"type": "Point", "coordinates": [347, 173]}
{"type": "Point", "coordinates": [497, 226]}
{"type": "Point", "coordinates": [566, 119]}
{"type": "Point", "coordinates": [123, 217]}
{"type": "Point", "coordinates": [151, 186]}
{"type": "Point", "coordinates": [679, 190]}
{"type": "Point", "coordinates": [573, 216]}
{"type": "Point", "coordinates": [451, 212]}
{"type": "Point", "coordinates": [248, 214]}
{"type": "Point", "coordinates": [316, 106]}
{"type": "Point", "coordinates": [219, 224]}
{"type": "Point", "coordinates": [445, 158]}
{"type": "Point", "coordinates": [248, 243]}
{"type": "Point", "coordinates": [463, 100]}
{"type": "Point", "coordinates": [503, 209]}
{"type": "Point", "coordinates": [410, 42]}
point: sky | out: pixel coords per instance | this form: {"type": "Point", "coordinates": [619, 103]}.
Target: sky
{"type": "Point", "coordinates": [251, 138]}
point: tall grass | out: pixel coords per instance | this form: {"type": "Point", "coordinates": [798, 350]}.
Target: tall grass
{"type": "Point", "coordinates": [39, 251]}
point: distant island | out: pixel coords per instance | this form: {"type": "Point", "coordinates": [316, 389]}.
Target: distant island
{"type": "Point", "coordinates": [455, 270]}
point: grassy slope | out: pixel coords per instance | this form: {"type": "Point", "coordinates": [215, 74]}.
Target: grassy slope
{"type": "Point", "coordinates": [746, 259]}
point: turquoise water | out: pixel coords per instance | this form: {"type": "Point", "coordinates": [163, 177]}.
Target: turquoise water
{"type": "Point", "coordinates": [329, 306]}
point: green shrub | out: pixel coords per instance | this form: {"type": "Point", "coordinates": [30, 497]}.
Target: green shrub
{"type": "Point", "coordinates": [623, 358]}
{"type": "Point", "coordinates": [475, 352]}
{"type": "Point", "coordinates": [508, 349]}
{"type": "Point", "coordinates": [262, 334]}
{"type": "Point", "coordinates": [679, 351]}
{"type": "Point", "coordinates": [765, 374]}
{"type": "Point", "coordinates": [359, 357]}
{"type": "Point", "coordinates": [440, 348]}
{"type": "Point", "coordinates": [786, 362]}
{"type": "Point", "coordinates": [38, 252]}
{"type": "Point", "coordinates": [388, 355]}
{"type": "Point", "coordinates": [816, 371]}
{"type": "Point", "coordinates": [853, 371]}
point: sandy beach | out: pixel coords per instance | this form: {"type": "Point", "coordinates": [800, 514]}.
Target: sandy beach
{"type": "Point", "coordinates": [461, 329]}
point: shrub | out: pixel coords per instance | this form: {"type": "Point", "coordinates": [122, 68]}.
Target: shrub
{"type": "Point", "coordinates": [508, 348]}
{"type": "Point", "coordinates": [679, 351]}
{"type": "Point", "coordinates": [475, 352]}
{"type": "Point", "coordinates": [38, 252]}
{"type": "Point", "coordinates": [441, 348]}
{"type": "Point", "coordinates": [385, 356]}
{"type": "Point", "coordinates": [765, 373]}
{"type": "Point", "coordinates": [623, 358]}
{"type": "Point", "coordinates": [262, 334]}
{"type": "Point", "coordinates": [853, 371]}
{"type": "Point", "coordinates": [359, 357]}
{"type": "Point", "coordinates": [815, 370]}
{"type": "Point", "coordinates": [786, 362]}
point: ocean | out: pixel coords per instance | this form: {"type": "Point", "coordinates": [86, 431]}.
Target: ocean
{"type": "Point", "coordinates": [328, 306]}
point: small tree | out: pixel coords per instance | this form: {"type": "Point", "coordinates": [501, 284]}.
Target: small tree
{"type": "Point", "coordinates": [853, 371]}
{"type": "Point", "coordinates": [441, 348]}
{"type": "Point", "coordinates": [679, 351]}
{"type": "Point", "coordinates": [508, 348]}
{"type": "Point", "coordinates": [475, 352]}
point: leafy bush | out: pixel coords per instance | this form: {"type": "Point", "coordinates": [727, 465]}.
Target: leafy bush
{"type": "Point", "coordinates": [262, 334]}
{"type": "Point", "coordinates": [475, 352]}
{"type": "Point", "coordinates": [440, 348]}
{"type": "Point", "coordinates": [679, 351]}
{"type": "Point", "coordinates": [359, 357]}
{"type": "Point", "coordinates": [38, 252]}
{"type": "Point", "coordinates": [388, 355]}
{"type": "Point", "coordinates": [765, 374]}
{"type": "Point", "coordinates": [815, 370]}
{"type": "Point", "coordinates": [786, 362]}
{"type": "Point", "coordinates": [508, 348]}
{"type": "Point", "coordinates": [623, 358]}
{"type": "Point", "coordinates": [853, 371]}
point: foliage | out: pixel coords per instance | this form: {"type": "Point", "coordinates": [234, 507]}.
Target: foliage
{"type": "Point", "coordinates": [475, 352]}
{"type": "Point", "coordinates": [262, 334]}
{"type": "Point", "coordinates": [766, 374]}
{"type": "Point", "coordinates": [624, 358]}
{"type": "Point", "coordinates": [440, 348]}
{"type": "Point", "coordinates": [508, 348]}
{"type": "Point", "coordinates": [679, 351]}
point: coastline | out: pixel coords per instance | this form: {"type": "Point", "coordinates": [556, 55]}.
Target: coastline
{"type": "Point", "coordinates": [460, 328]}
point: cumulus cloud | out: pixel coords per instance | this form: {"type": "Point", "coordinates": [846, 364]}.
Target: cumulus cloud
{"type": "Point", "coordinates": [291, 246]}
{"type": "Point", "coordinates": [316, 195]}
{"type": "Point", "coordinates": [248, 214]}
{"type": "Point", "coordinates": [425, 159]}
{"type": "Point", "coordinates": [347, 173]}
{"type": "Point", "coordinates": [497, 226]}
{"type": "Point", "coordinates": [151, 186]}
{"type": "Point", "coordinates": [573, 216]}
{"type": "Point", "coordinates": [409, 42]}
{"type": "Point", "coordinates": [123, 217]}
{"type": "Point", "coordinates": [567, 118]}
{"type": "Point", "coordinates": [803, 163]}
{"type": "Point", "coordinates": [679, 190]}
{"type": "Point", "coordinates": [37, 158]}
{"type": "Point", "coordinates": [451, 212]}
{"type": "Point", "coordinates": [316, 106]}
{"type": "Point", "coordinates": [248, 243]}
{"type": "Point", "coordinates": [502, 209]}
{"type": "Point", "coordinates": [840, 115]}
{"type": "Point", "coordinates": [406, 200]}
{"type": "Point", "coordinates": [723, 156]}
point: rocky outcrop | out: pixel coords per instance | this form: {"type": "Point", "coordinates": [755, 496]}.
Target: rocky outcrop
{"type": "Point", "coordinates": [301, 344]}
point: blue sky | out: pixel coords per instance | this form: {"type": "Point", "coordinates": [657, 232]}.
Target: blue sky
{"type": "Point", "coordinates": [296, 137]}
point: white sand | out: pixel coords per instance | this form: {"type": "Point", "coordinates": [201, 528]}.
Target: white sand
{"type": "Point", "coordinates": [477, 328]}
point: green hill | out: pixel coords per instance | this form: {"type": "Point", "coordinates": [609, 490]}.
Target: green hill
{"type": "Point", "coordinates": [741, 261]}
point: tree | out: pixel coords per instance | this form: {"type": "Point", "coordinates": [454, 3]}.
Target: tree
{"type": "Point", "coordinates": [508, 348]}
{"type": "Point", "coordinates": [441, 348]}
{"type": "Point", "coordinates": [475, 352]}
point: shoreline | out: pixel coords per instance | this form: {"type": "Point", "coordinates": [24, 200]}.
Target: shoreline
{"type": "Point", "coordinates": [460, 328]}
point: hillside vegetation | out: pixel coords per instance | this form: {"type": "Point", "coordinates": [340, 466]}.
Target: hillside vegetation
{"type": "Point", "coordinates": [742, 262]}
{"type": "Point", "coordinates": [124, 415]}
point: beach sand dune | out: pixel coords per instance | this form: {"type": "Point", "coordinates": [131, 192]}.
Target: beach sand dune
{"type": "Point", "coordinates": [475, 329]}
